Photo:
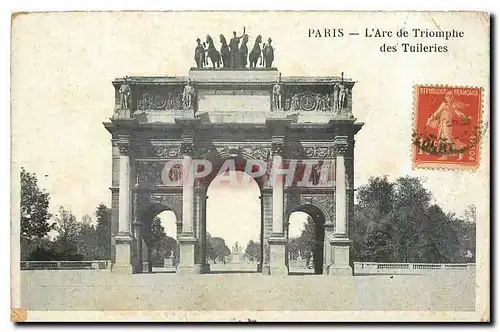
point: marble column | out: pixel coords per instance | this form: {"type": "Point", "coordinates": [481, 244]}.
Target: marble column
{"type": "Point", "coordinates": [187, 239]}
{"type": "Point", "coordinates": [201, 213]}
{"type": "Point", "coordinates": [137, 247]}
{"type": "Point", "coordinates": [340, 241]}
{"type": "Point", "coordinates": [123, 238]}
{"type": "Point", "coordinates": [277, 241]}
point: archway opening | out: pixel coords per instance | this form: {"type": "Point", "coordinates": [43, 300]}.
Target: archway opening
{"type": "Point", "coordinates": [160, 248]}
{"type": "Point", "coordinates": [234, 226]}
{"type": "Point", "coordinates": [306, 235]}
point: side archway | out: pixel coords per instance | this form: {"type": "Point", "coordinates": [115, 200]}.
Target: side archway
{"type": "Point", "coordinates": [306, 247]}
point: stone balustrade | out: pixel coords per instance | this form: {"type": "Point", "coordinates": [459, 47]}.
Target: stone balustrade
{"type": "Point", "coordinates": [66, 265]}
{"type": "Point", "coordinates": [408, 268]}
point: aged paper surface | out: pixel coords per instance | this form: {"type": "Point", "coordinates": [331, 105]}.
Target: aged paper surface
{"type": "Point", "coordinates": [392, 228]}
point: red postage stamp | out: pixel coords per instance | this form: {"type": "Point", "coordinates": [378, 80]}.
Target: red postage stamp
{"type": "Point", "coordinates": [447, 127]}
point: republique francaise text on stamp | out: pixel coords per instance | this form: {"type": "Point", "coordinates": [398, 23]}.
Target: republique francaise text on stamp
{"type": "Point", "coordinates": [446, 131]}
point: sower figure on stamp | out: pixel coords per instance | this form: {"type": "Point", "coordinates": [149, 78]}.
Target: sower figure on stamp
{"type": "Point", "coordinates": [234, 48]}
{"type": "Point", "coordinates": [277, 94]}
{"type": "Point", "coordinates": [187, 95]}
{"type": "Point", "coordinates": [442, 119]}
{"type": "Point", "coordinates": [125, 92]}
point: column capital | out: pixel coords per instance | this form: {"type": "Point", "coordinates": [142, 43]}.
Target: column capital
{"type": "Point", "coordinates": [340, 145]}
{"type": "Point", "coordinates": [278, 145]}
{"type": "Point", "coordinates": [187, 145]}
{"type": "Point", "coordinates": [123, 144]}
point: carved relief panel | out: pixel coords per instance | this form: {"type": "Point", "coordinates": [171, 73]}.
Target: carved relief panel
{"type": "Point", "coordinates": [159, 98]}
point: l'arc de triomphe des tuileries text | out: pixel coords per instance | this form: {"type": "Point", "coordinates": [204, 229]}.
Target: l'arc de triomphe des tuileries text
{"type": "Point", "coordinates": [242, 115]}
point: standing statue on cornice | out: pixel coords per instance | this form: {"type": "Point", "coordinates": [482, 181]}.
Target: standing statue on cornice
{"type": "Point", "coordinates": [268, 54]}
{"type": "Point", "coordinates": [125, 92]}
{"type": "Point", "coordinates": [277, 94]}
{"type": "Point", "coordinates": [188, 95]}
{"type": "Point", "coordinates": [234, 48]}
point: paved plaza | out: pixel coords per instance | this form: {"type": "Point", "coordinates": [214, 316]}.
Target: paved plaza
{"type": "Point", "coordinates": [102, 290]}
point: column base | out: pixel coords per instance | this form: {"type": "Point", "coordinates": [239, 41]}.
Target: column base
{"type": "Point", "coordinates": [340, 254]}
{"type": "Point", "coordinates": [122, 269]}
{"type": "Point", "coordinates": [123, 264]}
{"type": "Point", "coordinates": [336, 270]}
{"type": "Point", "coordinates": [205, 268]}
{"type": "Point", "coordinates": [277, 251]}
{"type": "Point", "coordinates": [278, 270]}
{"type": "Point", "coordinates": [187, 251]}
{"type": "Point", "coordinates": [186, 270]}
{"type": "Point", "coordinates": [266, 270]}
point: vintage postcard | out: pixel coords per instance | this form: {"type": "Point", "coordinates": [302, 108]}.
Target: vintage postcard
{"type": "Point", "coordinates": [250, 166]}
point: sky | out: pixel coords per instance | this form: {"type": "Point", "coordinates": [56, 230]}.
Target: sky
{"type": "Point", "coordinates": [63, 65]}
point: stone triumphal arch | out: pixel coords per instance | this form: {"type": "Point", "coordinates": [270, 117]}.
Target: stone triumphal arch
{"type": "Point", "coordinates": [242, 115]}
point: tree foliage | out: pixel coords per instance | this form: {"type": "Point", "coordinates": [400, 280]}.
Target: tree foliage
{"type": "Point", "coordinates": [252, 252]}
{"type": "Point", "coordinates": [304, 245]}
{"type": "Point", "coordinates": [160, 245]}
{"type": "Point", "coordinates": [217, 249]}
{"type": "Point", "coordinates": [75, 240]}
{"type": "Point", "coordinates": [69, 235]}
{"type": "Point", "coordinates": [35, 217]}
{"type": "Point", "coordinates": [396, 222]}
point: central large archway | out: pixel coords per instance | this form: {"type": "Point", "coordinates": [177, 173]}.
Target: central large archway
{"type": "Point", "coordinates": [233, 221]}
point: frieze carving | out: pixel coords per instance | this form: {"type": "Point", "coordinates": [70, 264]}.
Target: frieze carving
{"type": "Point", "coordinates": [297, 151]}
{"type": "Point", "coordinates": [261, 153]}
{"type": "Point", "coordinates": [160, 151]}
{"type": "Point", "coordinates": [187, 148]}
{"type": "Point", "coordinates": [160, 98]}
{"type": "Point", "coordinates": [247, 152]}
{"type": "Point", "coordinates": [309, 101]}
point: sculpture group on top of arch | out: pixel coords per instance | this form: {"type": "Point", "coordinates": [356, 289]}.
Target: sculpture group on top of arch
{"type": "Point", "coordinates": [234, 54]}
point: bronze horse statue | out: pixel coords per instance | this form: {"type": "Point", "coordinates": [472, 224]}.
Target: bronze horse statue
{"type": "Point", "coordinates": [256, 53]}
{"type": "Point", "coordinates": [224, 52]}
{"type": "Point", "coordinates": [212, 53]}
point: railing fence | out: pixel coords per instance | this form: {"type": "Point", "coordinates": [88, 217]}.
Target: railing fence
{"type": "Point", "coordinates": [66, 265]}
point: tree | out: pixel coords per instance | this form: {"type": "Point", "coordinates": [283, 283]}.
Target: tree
{"type": "Point", "coordinates": [305, 243]}
{"type": "Point", "coordinates": [217, 249]}
{"type": "Point", "coordinates": [66, 242]}
{"type": "Point", "coordinates": [395, 222]}
{"type": "Point", "coordinates": [34, 208]}
{"type": "Point", "coordinates": [252, 252]}
{"type": "Point", "coordinates": [103, 231]}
